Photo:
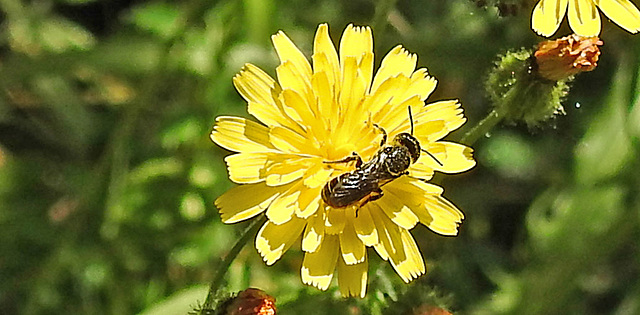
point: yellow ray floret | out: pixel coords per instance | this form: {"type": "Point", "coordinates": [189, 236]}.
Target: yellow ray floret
{"type": "Point", "coordinates": [583, 16]}
{"type": "Point", "coordinates": [274, 240]}
{"type": "Point", "coordinates": [352, 279]}
{"type": "Point", "coordinates": [317, 267]}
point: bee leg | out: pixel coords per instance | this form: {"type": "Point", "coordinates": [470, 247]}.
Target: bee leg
{"type": "Point", "coordinates": [353, 157]}
{"type": "Point", "coordinates": [384, 134]}
{"type": "Point", "coordinates": [373, 196]}
{"type": "Point", "coordinates": [357, 158]}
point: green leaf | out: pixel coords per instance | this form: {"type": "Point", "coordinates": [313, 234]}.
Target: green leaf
{"type": "Point", "coordinates": [54, 34]}
{"type": "Point", "coordinates": [153, 168]}
{"type": "Point", "coordinates": [58, 35]}
{"type": "Point", "coordinates": [553, 218]}
{"type": "Point", "coordinates": [606, 147]}
{"type": "Point", "coordinates": [633, 122]}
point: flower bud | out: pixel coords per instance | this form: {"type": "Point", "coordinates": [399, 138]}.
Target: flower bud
{"type": "Point", "coordinates": [518, 94]}
{"type": "Point", "coordinates": [564, 57]}
{"type": "Point", "coordinates": [427, 309]}
{"type": "Point", "coordinates": [251, 301]}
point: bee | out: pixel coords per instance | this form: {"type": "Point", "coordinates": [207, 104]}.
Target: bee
{"type": "Point", "coordinates": [363, 184]}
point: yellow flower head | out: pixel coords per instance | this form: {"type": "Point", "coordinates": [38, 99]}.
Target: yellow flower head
{"type": "Point", "coordinates": [324, 113]}
{"type": "Point", "coordinates": [584, 18]}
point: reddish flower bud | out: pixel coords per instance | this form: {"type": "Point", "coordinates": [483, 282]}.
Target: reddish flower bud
{"type": "Point", "coordinates": [430, 310]}
{"type": "Point", "coordinates": [561, 58]}
{"type": "Point", "coordinates": [251, 302]}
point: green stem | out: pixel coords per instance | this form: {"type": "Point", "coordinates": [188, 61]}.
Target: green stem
{"type": "Point", "coordinates": [222, 269]}
{"type": "Point", "coordinates": [482, 128]}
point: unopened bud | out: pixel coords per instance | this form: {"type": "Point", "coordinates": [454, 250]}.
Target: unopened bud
{"type": "Point", "coordinates": [430, 310]}
{"type": "Point", "coordinates": [251, 302]}
{"type": "Point", "coordinates": [567, 56]}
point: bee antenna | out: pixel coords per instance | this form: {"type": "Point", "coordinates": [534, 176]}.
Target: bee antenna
{"type": "Point", "coordinates": [410, 119]}
{"type": "Point", "coordinates": [432, 156]}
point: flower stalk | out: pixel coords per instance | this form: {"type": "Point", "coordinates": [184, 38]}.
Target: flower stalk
{"type": "Point", "coordinates": [223, 267]}
{"type": "Point", "coordinates": [483, 128]}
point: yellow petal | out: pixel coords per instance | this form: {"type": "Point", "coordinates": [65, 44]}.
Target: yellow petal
{"type": "Point", "coordinates": [455, 157]}
{"type": "Point", "coordinates": [298, 108]}
{"type": "Point", "coordinates": [289, 175]}
{"type": "Point", "coordinates": [297, 96]}
{"type": "Point", "coordinates": [353, 86]}
{"type": "Point", "coordinates": [419, 197]}
{"type": "Point", "coordinates": [365, 69]}
{"type": "Point", "coordinates": [357, 41]}
{"type": "Point", "coordinates": [441, 216]}
{"type": "Point", "coordinates": [284, 206]}
{"type": "Point", "coordinates": [421, 170]}
{"type": "Point", "coordinates": [317, 267]}
{"type": "Point", "coordinates": [429, 131]}
{"type": "Point", "coordinates": [243, 202]}
{"type": "Point", "coordinates": [622, 12]}
{"type": "Point", "coordinates": [324, 49]}
{"type": "Point", "coordinates": [352, 279]}
{"type": "Point", "coordinates": [421, 84]}
{"type": "Point", "coordinates": [584, 18]}
{"type": "Point", "coordinates": [382, 252]}
{"type": "Point", "coordinates": [397, 61]}
{"type": "Point", "coordinates": [326, 80]}
{"type": "Point", "coordinates": [313, 233]}
{"type": "Point", "coordinates": [397, 120]}
{"type": "Point", "coordinates": [448, 112]}
{"type": "Point", "coordinates": [547, 16]}
{"type": "Point", "coordinates": [412, 265]}
{"type": "Point", "coordinates": [273, 240]}
{"type": "Point", "coordinates": [327, 105]}
{"type": "Point", "coordinates": [335, 221]}
{"type": "Point", "coordinates": [396, 209]}
{"type": "Point", "coordinates": [317, 175]}
{"type": "Point", "coordinates": [356, 61]}
{"type": "Point", "coordinates": [241, 135]}
{"type": "Point", "coordinates": [358, 135]}
{"type": "Point", "coordinates": [352, 249]}
{"type": "Point", "coordinates": [409, 192]}
{"type": "Point", "coordinates": [383, 95]}
{"type": "Point", "coordinates": [255, 85]}
{"type": "Point", "coordinates": [308, 202]}
{"type": "Point", "coordinates": [246, 168]}
{"type": "Point", "coordinates": [422, 188]}
{"type": "Point", "coordinates": [426, 202]}
{"type": "Point", "coordinates": [388, 232]}
{"type": "Point", "coordinates": [260, 91]}
{"type": "Point", "coordinates": [288, 52]}
{"type": "Point", "coordinates": [285, 168]}
{"type": "Point", "coordinates": [365, 228]}
{"type": "Point", "coordinates": [287, 140]}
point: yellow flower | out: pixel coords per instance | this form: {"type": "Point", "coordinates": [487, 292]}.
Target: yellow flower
{"type": "Point", "coordinates": [584, 18]}
{"type": "Point", "coordinates": [325, 112]}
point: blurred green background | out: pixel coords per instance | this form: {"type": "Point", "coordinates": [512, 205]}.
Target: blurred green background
{"type": "Point", "coordinates": [108, 176]}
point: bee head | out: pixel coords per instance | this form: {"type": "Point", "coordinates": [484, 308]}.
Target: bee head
{"type": "Point", "coordinates": [410, 142]}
